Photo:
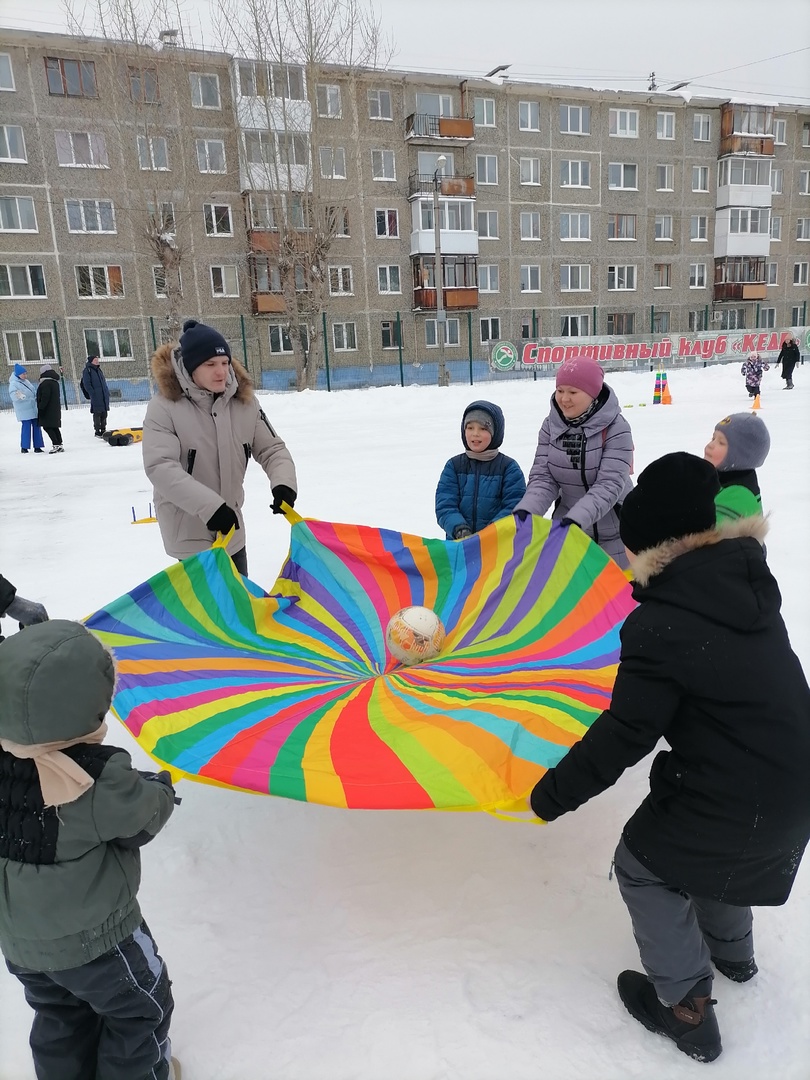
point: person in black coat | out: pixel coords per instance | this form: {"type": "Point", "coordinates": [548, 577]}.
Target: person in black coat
{"type": "Point", "coordinates": [26, 612]}
{"type": "Point", "coordinates": [94, 387]}
{"type": "Point", "coordinates": [49, 408]}
{"type": "Point", "coordinates": [705, 664]}
{"type": "Point", "coordinates": [788, 357]}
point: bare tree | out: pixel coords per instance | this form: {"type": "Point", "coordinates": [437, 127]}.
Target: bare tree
{"type": "Point", "coordinates": [287, 45]}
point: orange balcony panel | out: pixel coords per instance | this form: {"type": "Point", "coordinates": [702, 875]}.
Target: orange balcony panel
{"type": "Point", "coordinates": [456, 127]}
{"type": "Point", "coordinates": [455, 299]}
{"type": "Point", "coordinates": [740, 290]}
{"type": "Point", "coordinates": [268, 304]}
{"type": "Point", "coordinates": [460, 186]}
{"type": "Point", "coordinates": [746, 144]}
{"type": "Point", "coordinates": [261, 240]}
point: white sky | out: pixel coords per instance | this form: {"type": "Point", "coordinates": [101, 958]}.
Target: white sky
{"type": "Point", "coordinates": [610, 43]}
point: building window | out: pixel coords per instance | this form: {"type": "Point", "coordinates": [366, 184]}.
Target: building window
{"type": "Point", "coordinates": [621, 278]}
{"type": "Point", "coordinates": [489, 278]}
{"type": "Point", "coordinates": [279, 339]}
{"type": "Point", "coordinates": [266, 276]}
{"type": "Point", "coordinates": [288, 81]}
{"type": "Point", "coordinates": [387, 222]}
{"type": "Point", "coordinates": [390, 333]}
{"type": "Point", "coordinates": [698, 320]}
{"type": "Point", "coordinates": [217, 219]}
{"type": "Point", "coordinates": [160, 217]}
{"type": "Point", "coordinates": [292, 148]}
{"type": "Point", "coordinates": [621, 227]}
{"type": "Point", "coordinates": [211, 156]}
{"type": "Point", "coordinates": [732, 319]}
{"type": "Point", "coordinates": [745, 171]}
{"type": "Point", "coordinates": [487, 224]}
{"type": "Point", "coordinates": [665, 125]}
{"type": "Point", "coordinates": [697, 275]}
{"type": "Point", "coordinates": [623, 123]}
{"type": "Point", "coordinates": [780, 132]}
{"type": "Point", "coordinates": [90, 215]}
{"type": "Point", "coordinates": [262, 211]}
{"type": "Point", "coordinates": [333, 162]}
{"type": "Point", "coordinates": [71, 78]}
{"type": "Point", "coordinates": [665, 178]}
{"type": "Point", "coordinates": [530, 170]}
{"type": "Point", "coordinates": [575, 277]}
{"type": "Point", "coordinates": [575, 326]}
{"type": "Point", "coordinates": [772, 273]}
{"type": "Point", "coordinates": [798, 315]}
{"type": "Point", "coordinates": [452, 334]}
{"type": "Point", "coordinates": [660, 322]}
{"type": "Point", "coordinates": [337, 221]}
{"type": "Point", "coordinates": [344, 335]}
{"type": "Point", "coordinates": [153, 153]}
{"type": "Point", "coordinates": [800, 273]}
{"type": "Point", "coordinates": [777, 181]}
{"type": "Point", "coordinates": [575, 119]}
{"type": "Point", "coordinates": [662, 276]}
{"type": "Point", "coordinates": [803, 228]}
{"type": "Point", "coordinates": [776, 226]}
{"type": "Point", "coordinates": [623, 175]}
{"type": "Point", "coordinates": [490, 329]}
{"type": "Point", "coordinates": [698, 227]}
{"type": "Point", "coordinates": [224, 281]}
{"type": "Point", "coordinates": [260, 147]}
{"type": "Point", "coordinates": [528, 115]}
{"type": "Point", "coordinates": [621, 322]}
{"type": "Point", "coordinates": [252, 79]}
{"type": "Point", "coordinates": [702, 127]}
{"type": "Point", "coordinates": [751, 120]}
{"type": "Point", "coordinates": [767, 318]}
{"type": "Point", "coordinates": [99, 281]}
{"type": "Point", "coordinates": [21, 280]}
{"type": "Point", "coordinates": [663, 226]}
{"type": "Point", "coordinates": [804, 182]}
{"type": "Point", "coordinates": [340, 280]}
{"type": "Point", "coordinates": [204, 91]}
{"type": "Point", "coordinates": [739, 268]}
{"type": "Point", "coordinates": [12, 143]}
{"type": "Point", "coordinates": [143, 85]}
{"type": "Point", "coordinates": [6, 72]}
{"type": "Point", "coordinates": [328, 101]}
{"type": "Point", "coordinates": [746, 220]}
{"type": "Point", "coordinates": [575, 226]}
{"type": "Point", "coordinates": [81, 149]}
{"type": "Point", "coordinates": [388, 279]}
{"type": "Point", "coordinates": [530, 225]}
{"type": "Point", "coordinates": [530, 279]}
{"type": "Point", "coordinates": [383, 165]}
{"type": "Point", "coordinates": [35, 346]}
{"type": "Point", "coordinates": [484, 112]}
{"type": "Point", "coordinates": [806, 133]}
{"type": "Point", "coordinates": [159, 280]}
{"type": "Point", "coordinates": [379, 105]}
{"type": "Point", "coordinates": [486, 169]}
{"type": "Point", "coordinates": [700, 178]}
{"type": "Point", "coordinates": [575, 173]}
{"type": "Point", "coordinates": [108, 344]}
{"type": "Point", "coordinates": [17, 214]}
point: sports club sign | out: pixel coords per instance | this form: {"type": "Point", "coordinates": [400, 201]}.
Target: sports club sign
{"type": "Point", "coordinates": [509, 356]}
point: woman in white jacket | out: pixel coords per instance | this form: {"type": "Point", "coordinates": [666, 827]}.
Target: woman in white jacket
{"type": "Point", "coordinates": [199, 433]}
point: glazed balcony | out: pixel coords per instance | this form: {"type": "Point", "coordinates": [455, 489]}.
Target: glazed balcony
{"type": "Point", "coordinates": [423, 128]}
{"type": "Point", "coordinates": [454, 299]}
{"type": "Point", "coordinates": [456, 186]}
{"type": "Point", "coordinates": [740, 290]}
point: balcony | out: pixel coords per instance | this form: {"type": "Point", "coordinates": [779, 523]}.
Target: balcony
{"type": "Point", "coordinates": [741, 290]}
{"type": "Point", "coordinates": [423, 128]}
{"type": "Point", "coordinates": [457, 187]}
{"type": "Point", "coordinates": [269, 240]}
{"type": "Point", "coordinates": [453, 299]}
{"type": "Point", "coordinates": [268, 304]}
{"type": "Point", "coordinates": [746, 129]}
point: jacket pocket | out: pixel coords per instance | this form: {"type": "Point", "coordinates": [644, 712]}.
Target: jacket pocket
{"type": "Point", "coordinates": [667, 775]}
{"type": "Point", "coordinates": [192, 454]}
{"type": "Point", "coordinates": [246, 448]}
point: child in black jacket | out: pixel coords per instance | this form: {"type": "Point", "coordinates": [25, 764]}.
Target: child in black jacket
{"type": "Point", "coordinates": [49, 408]}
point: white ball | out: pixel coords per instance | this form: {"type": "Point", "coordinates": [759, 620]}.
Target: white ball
{"type": "Point", "coordinates": [414, 634]}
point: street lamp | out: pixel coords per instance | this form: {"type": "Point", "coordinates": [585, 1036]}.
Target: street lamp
{"type": "Point", "coordinates": [438, 276]}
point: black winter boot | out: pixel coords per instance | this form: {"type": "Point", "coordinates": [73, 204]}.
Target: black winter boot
{"type": "Point", "coordinates": [738, 971]}
{"type": "Point", "coordinates": [691, 1024]}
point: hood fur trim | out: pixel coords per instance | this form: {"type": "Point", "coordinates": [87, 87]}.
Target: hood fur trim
{"type": "Point", "coordinates": [162, 365]}
{"type": "Point", "coordinates": [654, 560]}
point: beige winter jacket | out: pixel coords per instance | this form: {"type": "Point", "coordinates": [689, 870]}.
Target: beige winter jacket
{"type": "Point", "coordinates": [196, 446]}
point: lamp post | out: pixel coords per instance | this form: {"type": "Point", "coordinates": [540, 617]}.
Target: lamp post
{"type": "Point", "coordinates": [438, 275]}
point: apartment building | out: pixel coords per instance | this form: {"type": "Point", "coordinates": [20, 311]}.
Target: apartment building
{"type": "Point", "coordinates": [562, 211]}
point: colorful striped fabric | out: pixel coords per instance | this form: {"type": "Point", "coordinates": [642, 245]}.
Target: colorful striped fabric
{"type": "Point", "coordinates": [294, 694]}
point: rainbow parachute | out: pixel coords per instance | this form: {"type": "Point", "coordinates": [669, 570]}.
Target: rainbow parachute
{"type": "Point", "coordinates": [293, 694]}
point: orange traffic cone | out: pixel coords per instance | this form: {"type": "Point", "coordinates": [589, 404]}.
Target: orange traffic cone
{"type": "Point", "coordinates": [666, 397]}
{"type": "Point", "coordinates": [756, 406]}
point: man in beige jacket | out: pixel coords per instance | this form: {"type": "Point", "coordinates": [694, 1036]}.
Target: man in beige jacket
{"type": "Point", "coordinates": [200, 430]}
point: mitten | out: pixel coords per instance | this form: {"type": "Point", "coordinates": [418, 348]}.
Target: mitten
{"type": "Point", "coordinates": [223, 520]}
{"type": "Point", "coordinates": [521, 515]}
{"type": "Point", "coordinates": [565, 522]}
{"type": "Point", "coordinates": [26, 612]}
{"type": "Point", "coordinates": [281, 493]}
{"type": "Point", "coordinates": [461, 532]}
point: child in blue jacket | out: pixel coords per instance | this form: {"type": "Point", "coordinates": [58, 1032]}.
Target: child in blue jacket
{"type": "Point", "coordinates": [482, 484]}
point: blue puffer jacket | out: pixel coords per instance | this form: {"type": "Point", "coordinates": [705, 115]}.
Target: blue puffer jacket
{"type": "Point", "coordinates": [94, 387]}
{"type": "Point", "coordinates": [23, 396]}
{"type": "Point", "coordinates": [476, 493]}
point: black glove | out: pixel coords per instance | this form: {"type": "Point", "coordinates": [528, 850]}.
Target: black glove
{"type": "Point", "coordinates": [461, 532]}
{"type": "Point", "coordinates": [26, 612]}
{"type": "Point", "coordinates": [223, 520]}
{"type": "Point", "coordinates": [281, 494]}
{"type": "Point", "coordinates": [565, 522]}
{"type": "Point", "coordinates": [521, 515]}
{"type": "Point", "coordinates": [163, 777]}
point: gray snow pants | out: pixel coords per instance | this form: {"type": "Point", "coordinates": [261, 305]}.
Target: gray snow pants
{"type": "Point", "coordinates": [106, 1020]}
{"type": "Point", "coordinates": [677, 934]}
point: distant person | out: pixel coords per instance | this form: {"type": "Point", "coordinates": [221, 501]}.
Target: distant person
{"type": "Point", "coordinates": [23, 396]}
{"type": "Point", "coordinates": [49, 407]}
{"type": "Point", "coordinates": [95, 389]}
{"type": "Point", "coordinates": [752, 370]}
{"type": "Point", "coordinates": [789, 357]}
{"type": "Point", "coordinates": [200, 430]}
{"type": "Point", "coordinates": [482, 484]}
{"type": "Point", "coordinates": [738, 447]}
{"type": "Point", "coordinates": [584, 458]}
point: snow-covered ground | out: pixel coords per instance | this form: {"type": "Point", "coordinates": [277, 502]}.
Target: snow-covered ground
{"type": "Point", "coordinates": [307, 943]}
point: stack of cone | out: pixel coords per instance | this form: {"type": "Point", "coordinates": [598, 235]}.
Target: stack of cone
{"type": "Point", "coordinates": [756, 406]}
{"type": "Point", "coordinates": [657, 390]}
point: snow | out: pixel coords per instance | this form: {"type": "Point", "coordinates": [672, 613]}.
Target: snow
{"type": "Point", "coordinates": [308, 943]}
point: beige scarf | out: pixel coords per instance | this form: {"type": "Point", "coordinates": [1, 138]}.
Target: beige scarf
{"type": "Point", "coordinates": [61, 779]}
{"type": "Point", "coordinates": [483, 455]}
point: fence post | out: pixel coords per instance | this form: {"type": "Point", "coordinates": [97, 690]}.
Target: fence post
{"type": "Point", "coordinates": [326, 352]}
{"type": "Point", "coordinates": [399, 347]}
{"type": "Point", "coordinates": [469, 343]}
{"type": "Point", "coordinates": [534, 322]}
{"type": "Point", "coordinates": [652, 318]}
{"type": "Point", "coordinates": [594, 321]}
{"type": "Point", "coordinates": [757, 326]}
{"type": "Point", "coordinates": [244, 346]}
{"type": "Point", "coordinates": [154, 336]}
{"type": "Point", "coordinates": [59, 361]}
{"type": "Point", "coordinates": [706, 320]}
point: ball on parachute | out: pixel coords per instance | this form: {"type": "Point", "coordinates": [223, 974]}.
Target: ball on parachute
{"type": "Point", "coordinates": [414, 634]}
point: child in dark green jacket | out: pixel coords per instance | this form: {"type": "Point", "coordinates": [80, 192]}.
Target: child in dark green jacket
{"type": "Point", "coordinates": [739, 445]}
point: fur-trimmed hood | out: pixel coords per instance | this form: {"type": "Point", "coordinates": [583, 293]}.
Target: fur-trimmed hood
{"type": "Point", "coordinates": [174, 382]}
{"type": "Point", "coordinates": [652, 561]}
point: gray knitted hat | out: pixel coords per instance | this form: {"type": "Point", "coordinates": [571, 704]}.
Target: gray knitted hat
{"type": "Point", "coordinates": [478, 416]}
{"type": "Point", "coordinates": [748, 441]}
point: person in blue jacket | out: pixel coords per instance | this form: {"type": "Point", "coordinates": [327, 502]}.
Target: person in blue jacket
{"type": "Point", "coordinates": [23, 396]}
{"type": "Point", "coordinates": [482, 484]}
{"type": "Point", "coordinates": [94, 388]}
